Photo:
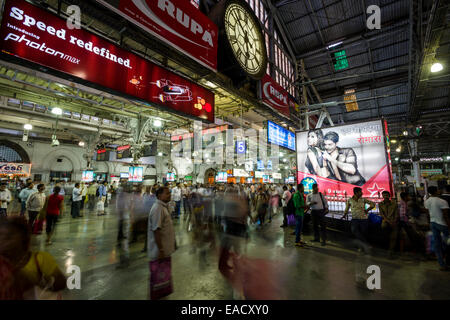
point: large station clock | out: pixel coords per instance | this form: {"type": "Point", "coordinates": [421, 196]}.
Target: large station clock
{"type": "Point", "coordinates": [241, 40]}
{"type": "Point", "coordinates": [246, 39]}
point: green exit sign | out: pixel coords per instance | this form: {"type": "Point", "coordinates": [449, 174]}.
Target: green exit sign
{"type": "Point", "coordinates": [340, 60]}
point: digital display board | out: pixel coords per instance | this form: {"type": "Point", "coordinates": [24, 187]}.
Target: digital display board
{"type": "Point", "coordinates": [343, 157]}
{"type": "Point", "coordinates": [136, 174]}
{"type": "Point", "coordinates": [87, 176]}
{"type": "Point", "coordinates": [124, 175]}
{"type": "Point", "coordinates": [280, 136]}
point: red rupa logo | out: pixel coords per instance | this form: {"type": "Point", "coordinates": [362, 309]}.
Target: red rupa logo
{"type": "Point", "coordinates": [202, 104]}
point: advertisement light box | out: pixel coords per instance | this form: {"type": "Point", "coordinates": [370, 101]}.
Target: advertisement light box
{"type": "Point", "coordinates": [87, 176]}
{"type": "Point", "coordinates": [222, 177]}
{"type": "Point", "coordinates": [170, 177]}
{"type": "Point", "coordinates": [124, 175]}
{"type": "Point", "coordinates": [280, 136]}
{"type": "Point", "coordinates": [33, 34]}
{"type": "Point", "coordinates": [136, 174]}
{"type": "Point", "coordinates": [343, 157]}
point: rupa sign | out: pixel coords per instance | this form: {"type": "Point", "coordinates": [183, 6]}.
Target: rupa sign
{"type": "Point", "coordinates": [174, 22]}
{"type": "Point", "coordinates": [274, 95]}
{"type": "Point", "coordinates": [21, 169]}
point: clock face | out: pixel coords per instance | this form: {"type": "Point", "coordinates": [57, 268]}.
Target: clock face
{"type": "Point", "coordinates": [246, 39]}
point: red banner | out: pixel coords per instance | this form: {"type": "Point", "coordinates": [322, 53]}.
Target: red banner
{"type": "Point", "coordinates": [34, 34]}
{"type": "Point", "coordinates": [372, 188]}
{"type": "Point", "coordinates": [274, 95]}
{"type": "Point", "coordinates": [178, 23]}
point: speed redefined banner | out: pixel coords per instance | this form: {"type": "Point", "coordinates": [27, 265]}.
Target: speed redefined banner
{"type": "Point", "coordinates": [341, 158]}
{"type": "Point", "coordinates": [34, 34]}
{"type": "Point", "coordinates": [178, 23]}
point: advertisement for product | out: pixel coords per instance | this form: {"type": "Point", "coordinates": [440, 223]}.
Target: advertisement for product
{"type": "Point", "coordinates": [341, 158]}
{"type": "Point", "coordinates": [177, 23]}
{"type": "Point", "coordinates": [87, 176]}
{"type": "Point", "coordinates": [17, 169]}
{"type": "Point", "coordinates": [136, 174]}
{"type": "Point", "coordinates": [274, 95]}
{"type": "Point", "coordinates": [36, 35]}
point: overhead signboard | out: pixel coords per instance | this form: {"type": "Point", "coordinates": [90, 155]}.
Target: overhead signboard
{"type": "Point", "coordinates": [280, 136]}
{"type": "Point", "coordinates": [36, 35]}
{"type": "Point", "coordinates": [177, 23]}
{"type": "Point", "coordinates": [276, 175]}
{"type": "Point", "coordinates": [343, 157]}
{"type": "Point", "coordinates": [259, 174]}
{"type": "Point", "coordinates": [241, 147]}
{"type": "Point", "coordinates": [240, 173]}
{"type": "Point", "coordinates": [17, 169]}
{"type": "Point", "coordinates": [273, 95]}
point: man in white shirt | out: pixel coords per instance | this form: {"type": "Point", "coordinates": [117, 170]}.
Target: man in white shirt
{"type": "Point", "coordinates": [438, 209]}
{"type": "Point", "coordinates": [284, 201]}
{"type": "Point", "coordinates": [5, 199]}
{"type": "Point", "coordinates": [76, 201]}
{"type": "Point", "coordinates": [176, 197]}
{"type": "Point", "coordinates": [319, 208]}
{"type": "Point", "coordinates": [161, 238]}
{"type": "Point", "coordinates": [35, 203]}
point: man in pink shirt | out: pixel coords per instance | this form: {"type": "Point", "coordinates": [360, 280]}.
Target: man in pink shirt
{"type": "Point", "coordinates": [285, 200]}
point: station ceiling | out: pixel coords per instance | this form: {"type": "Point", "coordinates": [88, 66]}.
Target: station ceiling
{"type": "Point", "coordinates": [388, 68]}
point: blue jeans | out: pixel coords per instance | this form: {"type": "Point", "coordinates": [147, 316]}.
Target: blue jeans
{"type": "Point", "coordinates": [23, 207]}
{"type": "Point", "coordinates": [298, 228]}
{"type": "Point", "coordinates": [439, 245]}
{"type": "Point", "coordinates": [177, 208]}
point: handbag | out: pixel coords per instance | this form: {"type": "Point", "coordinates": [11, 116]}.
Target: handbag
{"type": "Point", "coordinates": [160, 278]}
{"type": "Point", "coordinates": [38, 226]}
{"type": "Point", "coordinates": [291, 219]}
{"type": "Point", "coordinates": [42, 291]}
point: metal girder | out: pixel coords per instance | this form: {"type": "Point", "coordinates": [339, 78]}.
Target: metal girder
{"type": "Point", "coordinates": [287, 39]}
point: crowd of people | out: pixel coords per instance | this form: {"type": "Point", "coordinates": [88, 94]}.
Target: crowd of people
{"type": "Point", "coordinates": [215, 216]}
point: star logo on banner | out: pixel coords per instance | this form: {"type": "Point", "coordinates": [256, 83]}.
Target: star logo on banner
{"type": "Point", "coordinates": [374, 190]}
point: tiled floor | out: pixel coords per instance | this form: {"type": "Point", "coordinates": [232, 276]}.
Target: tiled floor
{"type": "Point", "coordinates": [336, 271]}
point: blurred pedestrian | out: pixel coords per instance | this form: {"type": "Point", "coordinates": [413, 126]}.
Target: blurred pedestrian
{"type": "Point", "coordinates": [35, 204]}
{"type": "Point", "coordinates": [300, 208]}
{"type": "Point", "coordinates": [5, 199]}
{"type": "Point", "coordinates": [54, 207]}
{"type": "Point", "coordinates": [319, 208]}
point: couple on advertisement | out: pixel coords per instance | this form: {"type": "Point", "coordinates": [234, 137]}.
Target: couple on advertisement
{"type": "Point", "coordinates": [326, 159]}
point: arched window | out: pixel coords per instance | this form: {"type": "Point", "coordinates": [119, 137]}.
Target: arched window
{"type": "Point", "coordinates": [12, 152]}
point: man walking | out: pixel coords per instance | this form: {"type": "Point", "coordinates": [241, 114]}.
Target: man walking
{"type": "Point", "coordinates": [389, 212]}
{"type": "Point", "coordinates": [359, 223]}
{"type": "Point", "coordinates": [76, 200]}
{"type": "Point", "coordinates": [285, 200]}
{"type": "Point", "coordinates": [440, 222]}
{"type": "Point", "coordinates": [35, 203]}
{"type": "Point", "coordinates": [161, 244]}
{"type": "Point", "coordinates": [24, 195]}
{"type": "Point", "coordinates": [5, 199]}
{"type": "Point", "coordinates": [319, 208]}
{"type": "Point", "coordinates": [91, 192]}
{"type": "Point", "coordinates": [176, 197]}
{"type": "Point", "coordinates": [102, 194]}
{"type": "Point", "coordinates": [299, 204]}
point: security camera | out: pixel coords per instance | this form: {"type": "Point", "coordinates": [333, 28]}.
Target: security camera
{"type": "Point", "coordinates": [55, 143]}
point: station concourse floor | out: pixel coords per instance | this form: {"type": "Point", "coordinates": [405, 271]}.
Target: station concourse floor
{"type": "Point", "coordinates": [336, 271]}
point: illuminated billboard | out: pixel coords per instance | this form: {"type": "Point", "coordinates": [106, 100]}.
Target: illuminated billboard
{"type": "Point", "coordinates": [170, 177]}
{"type": "Point", "coordinates": [136, 174]}
{"type": "Point", "coordinates": [87, 176]}
{"type": "Point", "coordinates": [343, 157]}
{"type": "Point", "coordinates": [222, 177]}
